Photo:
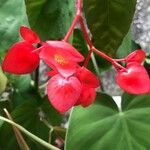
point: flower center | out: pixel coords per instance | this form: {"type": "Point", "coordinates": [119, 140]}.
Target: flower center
{"type": "Point", "coordinates": [60, 59]}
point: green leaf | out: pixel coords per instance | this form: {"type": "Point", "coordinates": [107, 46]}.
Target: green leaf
{"type": "Point", "coordinates": [29, 114]}
{"type": "Point", "coordinates": [127, 46]}
{"type": "Point", "coordinates": [109, 21]}
{"type": "Point", "coordinates": [102, 126]}
{"type": "Point", "coordinates": [50, 113]}
{"type": "Point", "coordinates": [50, 18]}
{"type": "Point", "coordinates": [12, 15]}
{"type": "Point", "coordinates": [26, 115]}
{"type": "Point", "coordinates": [3, 81]}
{"type": "Point", "coordinates": [20, 82]}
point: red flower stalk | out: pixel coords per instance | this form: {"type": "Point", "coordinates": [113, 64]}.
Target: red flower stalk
{"type": "Point", "coordinates": [20, 58]}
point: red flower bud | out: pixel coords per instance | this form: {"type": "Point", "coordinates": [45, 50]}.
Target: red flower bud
{"type": "Point", "coordinates": [20, 59]}
{"type": "Point", "coordinates": [63, 93]}
{"type": "Point", "coordinates": [136, 56]}
{"type": "Point", "coordinates": [87, 77]}
{"type": "Point", "coordinates": [28, 35]}
{"type": "Point", "coordinates": [87, 96]}
{"type": "Point", "coordinates": [134, 79]}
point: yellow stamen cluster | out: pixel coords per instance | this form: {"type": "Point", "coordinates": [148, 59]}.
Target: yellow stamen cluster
{"type": "Point", "coordinates": [60, 59]}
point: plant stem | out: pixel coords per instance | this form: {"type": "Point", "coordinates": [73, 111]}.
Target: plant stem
{"type": "Point", "coordinates": [84, 30]}
{"type": "Point", "coordinates": [67, 36]}
{"type": "Point", "coordinates": [35, 138]}
{"type": "Point", "coordinates": [22, 144]}
{"type": "Point", "coordinates": [114, 63]}
{"type": "Point", "coordinates": [87, 58]}
{"type": "Point", "coordinates": [120, 60]}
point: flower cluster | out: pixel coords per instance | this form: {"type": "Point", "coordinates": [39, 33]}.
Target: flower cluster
{"type": "Point", "coordinates": [70, 84]}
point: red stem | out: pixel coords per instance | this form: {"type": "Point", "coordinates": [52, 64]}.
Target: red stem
{"type": "Point", "coordinates": [79, 18]}
{"type": "Point", "coordinates": [67, 36]}
{"type": "Point", "coordinates": [120, 60]}
{"type": "Point", "coordinates": [75, 21]}
{"type": "Point", "coordinates": [87, 58]}
{"type": "Point", "coordinates": [113, 61]}
{"type": "Point", "coordinates": [84, 30]}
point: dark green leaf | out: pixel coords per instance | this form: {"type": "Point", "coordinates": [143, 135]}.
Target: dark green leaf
{"type": "Point", "coordinates": [109, 21]}
{"type": "Point", "coordinates": [50, 18]}
{"type": "Point", "coordinates": [102, 126]}
{"type": "Point", "coordinates": [26, 115]}
{"type": "Point", "coordinates": [51, 114]}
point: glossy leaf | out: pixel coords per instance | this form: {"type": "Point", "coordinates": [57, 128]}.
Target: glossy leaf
{"type": "Point", "coordinates": [50, 19]}
{"type": "Point", "coordinates": [102, 126]}
{"type": "Point", "coordinates": [10, 22]}
{"type": "Point", "coordinates": [109, 22]}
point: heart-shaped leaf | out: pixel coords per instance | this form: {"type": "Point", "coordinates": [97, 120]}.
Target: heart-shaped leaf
{"type": "Point", "coordinates": [134, 79]}
{"type": "Point", "coordinates": [103, 127]}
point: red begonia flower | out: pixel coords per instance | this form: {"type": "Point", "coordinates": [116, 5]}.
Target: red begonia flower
{"type": "Point", "coordinates": [62, 56]}
{"type": "Point", "coordinates": [134, 79]}
{"type": "Point", "coordinates": [136, 56]}
{"type": "Point", "coordinates": [28, 35]}
{"type": "Point", "coordinates": [63, 93]}
{"type": "Point", "coordinates": [20, 59]}
{"type": "Point", "coordinates": [64, 46]}
{"type": "Point", "coordinates": [87, 96]}
{"type": "Point", "coordinates": [87, 77]}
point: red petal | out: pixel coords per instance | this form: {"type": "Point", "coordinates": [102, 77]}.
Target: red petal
{"type": "Point", "coordinates": [61, 46]}
{"type": "Point", "coordinates": [20, 59]}
{"type": "Point", "coordinates": [134, 80]}
{"type": "Point", "coordinates": [87, 77]}
{"type": "Point", "coordinates": [136, 56]}
{"type": "Point", "coordinates": [60, 59]}
{"type": "Point", "coordinates": [87, 96]}
{"type": "Point", "coordinates": [28, 35]}
{"type": "Point", "coordinates": [63, 93]}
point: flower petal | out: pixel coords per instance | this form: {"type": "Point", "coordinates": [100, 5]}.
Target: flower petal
{"type": "Point", "coordinates": [87, 96]}
{"type": "Point", "coordinates": [20, 59]}
{"type": "Point", "coordinates": [28, 35]}
{"type": "Point", "coordinates": [60, 59]}
{"type": "Point", "coordinates": [87, 77]}
{"type": "Point", "coordinates": [62, 46]}
{"type": "Point", "coordinates": [63, 93]}
{"type": "Point", "coordinates": [136, 56]}
{"type": "Point", "coordinates": [134, 79]}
